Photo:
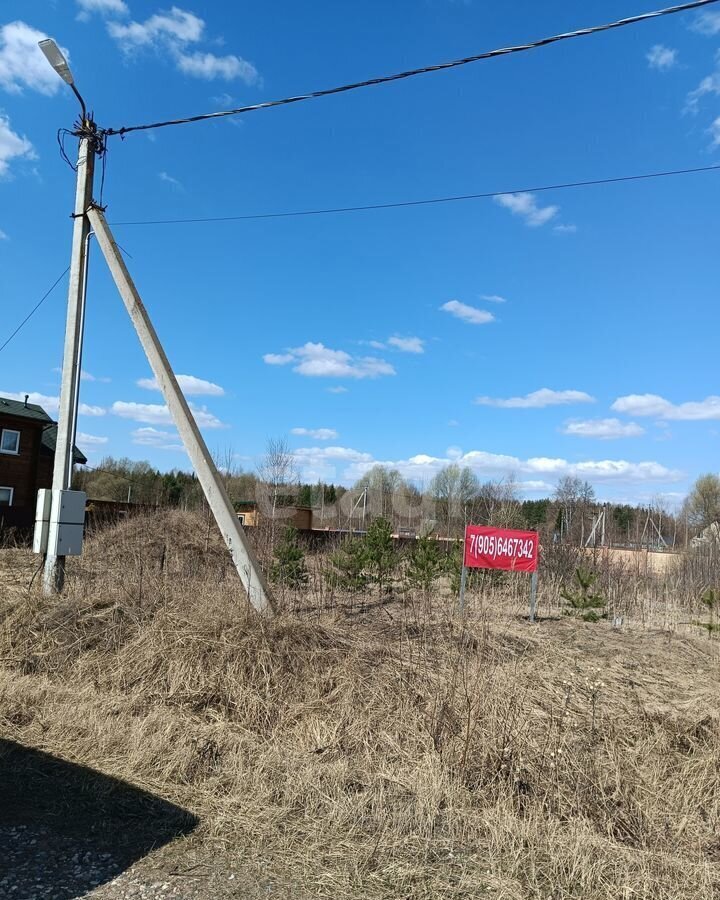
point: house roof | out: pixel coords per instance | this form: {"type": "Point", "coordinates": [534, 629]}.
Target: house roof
{"type": "Point", "coordinates": [37, 413]}
{"type": "Point", "coordinates": [49, 441]}
{"type": "Point", "coordinates": [23, 410]}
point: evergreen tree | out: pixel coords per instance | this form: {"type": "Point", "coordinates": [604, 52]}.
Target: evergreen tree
{"type": "Point", "coordinates": [381, 556]}
{"type": "Point", "coordinates": [349, 562]}
{"type": "Point", "coordinates": [425, 565]}
{"type": "Point", "coordinates": [583, 602]}
{"type": "Point", "coordinates": [711, 600]}
{"type": "Point", "coordinates": [289, 567]}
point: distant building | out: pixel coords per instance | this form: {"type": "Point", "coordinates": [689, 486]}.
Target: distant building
{"type": "Point", "coordinates": [27, 455]}
{"type": "Point", "coordinates": [251, 515]}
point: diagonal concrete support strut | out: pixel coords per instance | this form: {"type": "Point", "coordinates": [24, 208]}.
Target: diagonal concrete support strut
{"type": "Point", "coordinates": [232, 531]}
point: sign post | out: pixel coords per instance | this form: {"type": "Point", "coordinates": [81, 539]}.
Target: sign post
{"type": "Point", "coordinates": [500, 548]}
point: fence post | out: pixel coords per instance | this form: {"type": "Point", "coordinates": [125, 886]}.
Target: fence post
{"type": "Point", "coordinates": [463, 579]}
{"type": "Point", "coordinates": [533, 595]}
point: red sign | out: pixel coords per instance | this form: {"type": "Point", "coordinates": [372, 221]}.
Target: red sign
{"type": "Point", "coordinates": [500, 548]}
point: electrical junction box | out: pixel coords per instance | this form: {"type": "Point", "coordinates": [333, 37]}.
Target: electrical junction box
{"type": "Point", "coordinates": [42, 521]}
{"type": "Point", "coordinates": [67, 521]}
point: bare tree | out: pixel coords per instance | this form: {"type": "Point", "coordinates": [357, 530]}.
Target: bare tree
{"type": "Point", "coordinates": [454, 490]}
{"type": "Point", "coordinates": [498, 503]}
{"type": "Point", "coordinates": [574, 496]}
{"type": "Point", "coordinates": [381, 484]}
{"type": "Point", "coordinates": [278, 479]}
{"type": "Point", "coordinates": [702, 506]}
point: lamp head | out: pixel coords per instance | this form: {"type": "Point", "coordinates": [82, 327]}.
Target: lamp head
{"type": "Point", "coordinates": [56, 59]}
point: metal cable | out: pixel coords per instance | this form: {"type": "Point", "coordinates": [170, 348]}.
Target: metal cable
{"type": "Point", "coordinates": [426, 202]}
{"type": "Point", "coordinates": [34, 309]}
{"type": "Point", "coordinates": [385, 79]}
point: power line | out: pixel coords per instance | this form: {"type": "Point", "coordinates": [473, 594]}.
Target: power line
{"type": "Point", "coordinates": [430, 201]}
{"type": "Point", "coordinates": [385, 79]}
{"type": "Point", "coordinates": [35, 309]}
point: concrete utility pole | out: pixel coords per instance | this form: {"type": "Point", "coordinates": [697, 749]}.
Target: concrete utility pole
{"type": "Point", "coordinates": [208, 475]}
{"type": "Point", "coordinates": [54, 571]}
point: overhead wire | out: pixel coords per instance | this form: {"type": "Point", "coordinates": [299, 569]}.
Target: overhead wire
{"type": "Point", "coordinates": [423, 70]}
{"type": "Point", "coordinates": [427, 201]}
{"type": "Point", "coordinates": [34, 309]}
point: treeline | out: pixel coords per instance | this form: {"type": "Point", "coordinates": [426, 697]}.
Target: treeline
{"type": "Point", "coordinates": [453, 498]}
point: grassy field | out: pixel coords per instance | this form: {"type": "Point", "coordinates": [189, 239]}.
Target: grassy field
{"type": "Point", "coordinates": [367, 750]}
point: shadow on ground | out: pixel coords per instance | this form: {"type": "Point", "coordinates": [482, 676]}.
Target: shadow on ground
{"type": "Point", "coordinates": [66, 829]}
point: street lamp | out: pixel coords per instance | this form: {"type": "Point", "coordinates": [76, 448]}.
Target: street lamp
{"type": "Point", "coordinates": [62, 499]}
{"type": "Point", "coordinates": [54, 56]}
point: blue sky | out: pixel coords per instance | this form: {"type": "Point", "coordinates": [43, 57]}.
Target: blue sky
{"type": "Point", "coordinates": [567, 332]}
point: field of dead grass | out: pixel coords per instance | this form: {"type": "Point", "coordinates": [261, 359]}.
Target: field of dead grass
{"type": "Point", "coordinates": [355, 751]}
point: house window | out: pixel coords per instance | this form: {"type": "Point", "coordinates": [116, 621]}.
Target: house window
{"type": "Point", "coordinates": [6, 495]}
{"type": "Point", "coordinates": [9, 441]}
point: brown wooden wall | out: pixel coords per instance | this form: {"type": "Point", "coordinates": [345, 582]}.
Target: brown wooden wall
{"type": "Point", "coordinates": [22, 472]}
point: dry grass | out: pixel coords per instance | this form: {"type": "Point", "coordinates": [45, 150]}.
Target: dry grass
{"type": "Point", "coordinates": [386, 753]}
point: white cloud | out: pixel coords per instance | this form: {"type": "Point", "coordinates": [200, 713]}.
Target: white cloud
{"type": "Point", "coordinates": [565, 229]}
{"type": "Point", "coordinates": [173, 31]}
{"type": "Point", "coordinates": [152, 437]}
{"type": "Point", "coordinates": [407, 344]}
{"type": "Point", "coordinates": [173, 182]}
{"type": "Point", "coordinates": [318, 434]}
{"type": "Point", "coordinates": [87, 410]}
{"type": "Point", "coordinates": [346, 465]}
{"type": "Point", "coordinates": [22, 63]}
{"type": "Point", "coordinates": [278, 359]}
{"type": "Point", "coordinates": [189, 384]}
{"type": "Point", "coordinates": [707, 23]}
{"type": "Point", "coordinates": [51, 403]}
{"type": "Point", "coordinates": [537, 399]}
{"type": "Point", "coordinates": [604, 429]}
{"type": "Point", "coordinates": [709, 85]}
{"type": "Point", "coordinates": [654, 405]}
{"type": "Point", "coordinates": [715, 132]}
{"type": "Point", "coordinates": [12, 146]}
{"type": "Point", "coordinates": [339, 389]}
{"type": "Point", "coordinates": [89, 440]}
{"type": "Point", "coordinates": [156, 414]}
{"type": "Point", "coordinates": [661, 57]}
{"type": "Point", "coordinates": [318, 361]}
{"type": "Point", "coordinates": [525, 205]}
{"type": "Point", "coordinates": [468, 313]}
{"type": "Point", "coordinates": [493, 298]}
{"type": "Point", "coordinates": [537, 487]}
{"type": "Point", "coordinates": [3, 235]}
{"type": "Point", "coordinates": [210, 66]}
{"type": "Point", "coordinates": [175, 27]}
{"type": "Point", "coordinates": [104, 7]}
{"type": "Point", "coordinates": [88, 376]}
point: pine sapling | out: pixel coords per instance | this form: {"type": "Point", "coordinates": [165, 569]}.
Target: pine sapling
{"type": "Point", "coordinates": [710, 599]}
{"type": "Point", "coordinates": [425, 565]}
{"type": "Point", "coordinates": [382, 558]}
{"type": "Point", "coordinates": [349, 563]}
{"type": "Point", "coordinates": [288, 568]}
{"type": "Point", "coordinates": [582, 602]}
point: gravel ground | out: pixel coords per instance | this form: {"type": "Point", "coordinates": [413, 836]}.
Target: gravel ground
{"type": "Point", "coordinates": [38, 863]}
{"type": "Point", "coordinates": [67, 831]}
